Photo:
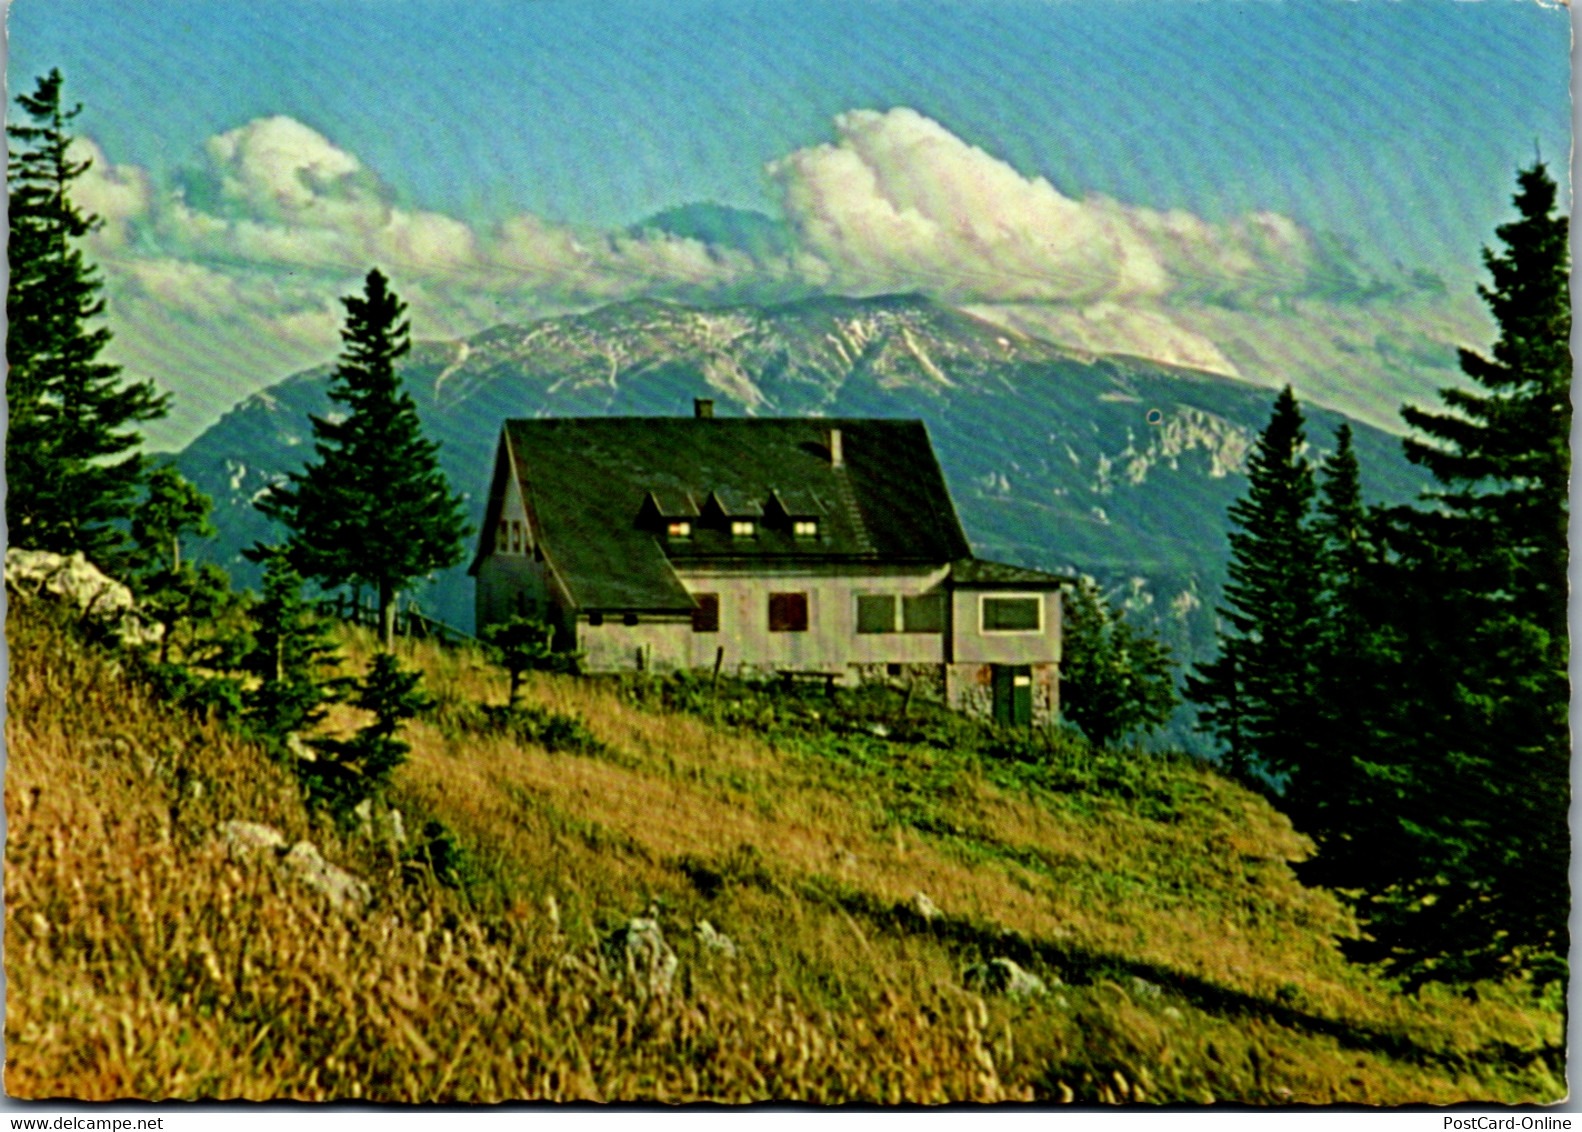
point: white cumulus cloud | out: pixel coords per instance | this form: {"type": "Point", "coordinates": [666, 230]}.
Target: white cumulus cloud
{"type": "Point", "coordinates": [234, 269]}
{"type": "Point", "coordinates": [116, 194]}
{"type": "Point", "coordinates": [899, 202]}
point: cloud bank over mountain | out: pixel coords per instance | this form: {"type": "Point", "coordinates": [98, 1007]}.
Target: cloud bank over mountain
{"type": "Point", "coordinates": [899, 202]}
{"type": "Point", "coordinates": [228, 277]}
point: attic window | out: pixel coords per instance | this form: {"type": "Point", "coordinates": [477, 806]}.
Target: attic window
{"type": "Point", "coordinates": [742, 528]}
{"type": "Point", "coordinates": [805, 528]}
{"type": "Point", "coordinates": [516, 536]}
{"type": "Point", "coordinates": [679, 530]}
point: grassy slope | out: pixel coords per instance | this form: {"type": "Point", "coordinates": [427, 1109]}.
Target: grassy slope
{"type": "Point", "coordinates": [143, 961]}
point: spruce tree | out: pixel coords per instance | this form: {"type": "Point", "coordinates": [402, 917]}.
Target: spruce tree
{"type": "Point", "coordinates": [290, 656]}
{"type": "Point", "coordinates": [374, 509]}
{"type": "Point", "coordinates": [169, 590]}
{"type": "Point", "coordinates": [519, 644]}
{"type": "Point", "coordinates": [172, 509]}
{"type": "Point", "coordinates": [1114, 678]}
{"type": "Point", "coordinates": [71, 472]}
{"type": "Point", "coordinates": [1503, 454]}
{"type": "Point", "coordinates": [1257, 696]}
{"type": "Point", "coordinates": [349, 770]}
{"type": "Point", "coordinates": [1326, 795]}
{"type": "Point", "coordinates": [1477, 777]}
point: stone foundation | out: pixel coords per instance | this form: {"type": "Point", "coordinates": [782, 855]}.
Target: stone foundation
{"type": "Point", "coordinates": [969, 689]}
{"type": "Point", "coordinates": [927, 681]}
{"type": "Point", "coordinates": [1046, 695]}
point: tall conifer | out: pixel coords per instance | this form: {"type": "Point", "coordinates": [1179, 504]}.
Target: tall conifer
{"type": "Point", "coordinates": [1326, 795]}
{"type": "Point", "coordinates": [375, 508]}
{"type": "Point", "coordinates": [70, 469]}
{"type": "Point", "coordinates": [1477, 767]}
{"type": "Point", "coordinates": [1257, 695]}
{"type": "Point", "coordinates": [1114, 677]}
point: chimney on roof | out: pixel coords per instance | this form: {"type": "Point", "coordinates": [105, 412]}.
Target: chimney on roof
{"type": "Point", "coordinates": [837, 455]}
{"type": "Point", "coordinates": [703, 408]}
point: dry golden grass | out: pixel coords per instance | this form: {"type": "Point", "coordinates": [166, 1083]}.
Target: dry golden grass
{"type": "Point", "coordinates": [143, 961]}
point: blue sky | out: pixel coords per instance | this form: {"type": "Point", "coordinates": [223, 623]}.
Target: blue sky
{"type": "Point", "coordinates": [1396, 125]}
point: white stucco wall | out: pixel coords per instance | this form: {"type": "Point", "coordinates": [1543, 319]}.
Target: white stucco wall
{"type": "Point", "coordinates": [831, 642]}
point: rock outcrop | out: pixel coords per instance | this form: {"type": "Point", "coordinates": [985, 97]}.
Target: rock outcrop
{"type": "Point", "coordinates": [345, 891]}
{"type": "Point", "coordinates": [714, 940]}
{"type": "Point", "coordinates": [99, 599]}
{"type": "Point", "coordinates": [1007, 977]}
{"type": "Point", "coordinates": [641, 948]}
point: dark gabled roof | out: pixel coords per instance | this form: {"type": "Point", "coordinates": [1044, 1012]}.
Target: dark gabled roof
{"type": "Point", "coordinates": [798, 503]}
{"type": "Point", "coordinates": [674, 504]}
{"type": "Point", "coordinates": [977, 572]}
{"type": "Point", "coordinates": [736, 503]}
{"type": "Point", "coordinates": [589, 481]}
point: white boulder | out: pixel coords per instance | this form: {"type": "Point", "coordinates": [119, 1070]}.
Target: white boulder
{"type": "Point", "coordinates": [1007, 977]}
{"type": "Point", "coordinates": [715, 940]}
{"type": "Point", "coordinates": [98, 597]}
{"type": "Point", "coordinates": [648, 959]}
{"type": "Point", "coordinates": [345, 891]}
{"type": "Point", "coordinates": [247, 837]}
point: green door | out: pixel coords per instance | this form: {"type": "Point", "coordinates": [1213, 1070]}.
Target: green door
{"type": "Point", "coordinates": [1013, 695]}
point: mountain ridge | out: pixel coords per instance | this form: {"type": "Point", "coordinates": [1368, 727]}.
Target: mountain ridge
{"type": "Point", "coordinates": [1113, 466]}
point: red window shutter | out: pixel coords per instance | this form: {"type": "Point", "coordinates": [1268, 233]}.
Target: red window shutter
{"type": "Point", "coordinates": [788, 613]}
{"type": "Point", "coordinates": [706, 615]}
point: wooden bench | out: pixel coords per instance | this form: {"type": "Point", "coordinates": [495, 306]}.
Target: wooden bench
{"type": "Point", "coordinates": [790, 677]}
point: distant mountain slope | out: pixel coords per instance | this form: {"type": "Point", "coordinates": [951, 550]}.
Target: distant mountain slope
{"type": "Point", "coordinates": [1117, 467]}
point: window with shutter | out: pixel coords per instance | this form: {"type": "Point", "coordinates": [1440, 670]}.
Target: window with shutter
{"type": "Point", "coordinates": [788, 613]}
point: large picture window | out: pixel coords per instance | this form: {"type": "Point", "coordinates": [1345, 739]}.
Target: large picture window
{"type": "Point", "coordinates": [1019, 614]}
{"type": "Point", "coordinates": [923, 613]}
{"type": "Point", "coordinates": [875, 613]}
{"type": "Point", "coordinates": [788, 613]}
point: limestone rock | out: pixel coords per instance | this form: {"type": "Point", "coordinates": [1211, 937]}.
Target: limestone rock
{"type": "Point", "coordinates": [715, 940]}
{"type": "Point", "coordinates": [99, 598]}
{"type": "Point", "coordinates": [641, 947]}
{"type": "Point", "coordinates": [379, 824]}
{"type": "Point", "coordinates": [345, 891]}
{"type": "Point", "coordinates": [1142, 988]}
{"type": "Point", "coordinates": [245, 837]}
{"type": "Point", "coordinates": [299, 749]}
{"type": "Point", "coordinates": [925, 907]}
{"type": "Point", "coordinates": [1007, 977]}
